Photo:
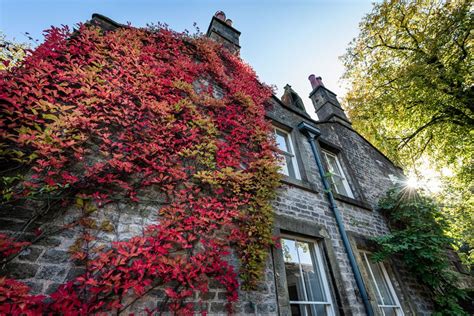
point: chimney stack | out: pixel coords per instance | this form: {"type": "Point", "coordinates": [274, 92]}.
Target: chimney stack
{"type": "Point", "coordinates": [221, 30]}
{"type": "Point", "coordinates": [325, 102]}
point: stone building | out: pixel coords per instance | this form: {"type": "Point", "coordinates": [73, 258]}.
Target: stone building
{"type": "Point", "coordinates": [323, 266]}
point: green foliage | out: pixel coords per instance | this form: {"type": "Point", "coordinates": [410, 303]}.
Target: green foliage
{"type": "Point", "coordinates": [458, 205]}
{"type": "Point", "coordinates": [411, 92]}
{"type": "Point", "coordinates": [417, 238]}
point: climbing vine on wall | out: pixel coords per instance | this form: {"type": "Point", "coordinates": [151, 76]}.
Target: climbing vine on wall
{"type": "Point", "coordinates": [417, 238]}
{"type": "Point", "coordinates": [92, 117]}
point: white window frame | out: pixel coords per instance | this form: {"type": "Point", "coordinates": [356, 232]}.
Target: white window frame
{"type": "Point", "coordinates": [398, 308]}
{"type": "Point", "coordinates": [345, 183]}
{"type": "Point", "coordinates": [319, 258]}
{"type": "Point", "coordinates": [284, 166]}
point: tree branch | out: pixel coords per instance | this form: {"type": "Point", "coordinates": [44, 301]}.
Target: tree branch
{"type": "Point", "coordinates": [407, 139]}
{"type": "Point", "coordinates": [394, 47]}
{"type": "Point", "coordinates": [405, 26]}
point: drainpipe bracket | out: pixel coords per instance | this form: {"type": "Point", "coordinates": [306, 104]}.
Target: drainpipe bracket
{"type": "Point", "coordinates": [309, 130]}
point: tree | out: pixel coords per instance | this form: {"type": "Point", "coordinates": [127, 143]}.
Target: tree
{"type": "Point", "coordinates": [10, 52]}
{"type": "Point", "coordinates": [412, 95]}
{"type": "Point", "coordinates": [418, 240]}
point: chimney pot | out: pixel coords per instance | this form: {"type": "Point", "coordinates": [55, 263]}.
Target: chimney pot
{"type": "Point", "coordinates": [220, 15]}
{"type": "Point", "coordinates": [315, 81]}
{"type": "Point", "coordinates": [228, 22]}
{"type": "Point", "coordinates": [319, 80]}
{"type": "Point", "coordinates": [312, 80]}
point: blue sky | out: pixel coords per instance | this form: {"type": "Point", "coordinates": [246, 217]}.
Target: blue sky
{"type": "Point", "coordinates": [284, 41]}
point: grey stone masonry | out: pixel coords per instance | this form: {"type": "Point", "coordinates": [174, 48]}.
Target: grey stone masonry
{"type": "Point", "coordinates": [369, 174]}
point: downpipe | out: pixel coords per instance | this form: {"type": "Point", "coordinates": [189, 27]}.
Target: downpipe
{"type": "Point", "coordinates": [312, 133]}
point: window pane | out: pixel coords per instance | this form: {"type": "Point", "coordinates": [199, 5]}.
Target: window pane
{"type": "Point", "coordinates": [292, 270]}
{"type": "Point", "coordinates": [311, 273]}
{"type": "Point", "coordinates": [382, 284]}
{"type": "Point", "coordinates": [332, 164]}
{"type": "Point", "coordinates": [290, 167]}
{"type": "Point", "coordinates": [384, 297]}
{"type": "Point", "coordinates": [318, 310]}
{"type": "Point", "coordinates": [339, 185]}
{"type": "Point", "coordinates": [282, 140]}
{"type": "Point", "coordinates": [390, 311]}
{"type": "Point", "coordinates": [297, 310]}
{"type": "Point", "coordinates": [367, 268]}
{"type": "Point", "coordinates": [307, 309]}
{"type": "Point", "coordinates": [283, 165]}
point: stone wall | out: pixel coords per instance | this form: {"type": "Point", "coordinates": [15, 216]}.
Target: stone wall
{"type": "Point", "coordinates": [370, 175]}
{"type": "Point", "coordinates": [47, 263]}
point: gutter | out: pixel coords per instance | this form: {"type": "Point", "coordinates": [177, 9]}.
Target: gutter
{"type": "Point", "coordinates": [312, 133]}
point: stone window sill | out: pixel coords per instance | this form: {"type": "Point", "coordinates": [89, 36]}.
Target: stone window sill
{"type": "Point", "coordinates": [307, 186]}
{"type": "Point", "coordinates": [352, 201]}
{"type": "Point", "coordinates": [299, 184]}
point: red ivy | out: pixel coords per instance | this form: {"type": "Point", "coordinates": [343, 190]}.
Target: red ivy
{"type": "Point", "coordinates": [8, 246]}
{"type": "Point", "coordinates": [115, 114]}
{"type": "Point", "coordinates": [15, 299]}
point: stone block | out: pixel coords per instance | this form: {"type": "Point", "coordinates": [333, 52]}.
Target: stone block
{"type": "Point", "coordinates": [222, 296]}
{"type": "Point", "coordinates": [157, 293]}
{"type": "Point", "coordinates": [52, 288]}
{"type": "Point", "coordinates": [68, 233]}
{"type": "Point", "coordinates": [200, 306]}
{"type": "Point", "coordinates": [218, 308]}
{"type": "Point", "coordinates": [249, 308]}
{"type": "Point", "coordinates": [35, 287]}
{"type": "Point", "coordinates": [208, 296]}
{"type": "Point", "coordinates": [271, 308]}
{"type": "Point", "coordinates": [262, 287]}
{"type": "Point", "coordinates": [18, 270]}
{"type": "Point", "coordinates": [74, 272]}
{"type": "Point", "coordinates": [55, 256]}
{"type": "Point", "coordinates": [49, 242]}
{"type": "Point", "coordinates": [52, 273]}
{"type": "Point", "coordinates": [30, 254]}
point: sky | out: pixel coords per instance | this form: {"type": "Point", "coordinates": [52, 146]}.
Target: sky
{"type": "Point", "coordinates": [284, 41]}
